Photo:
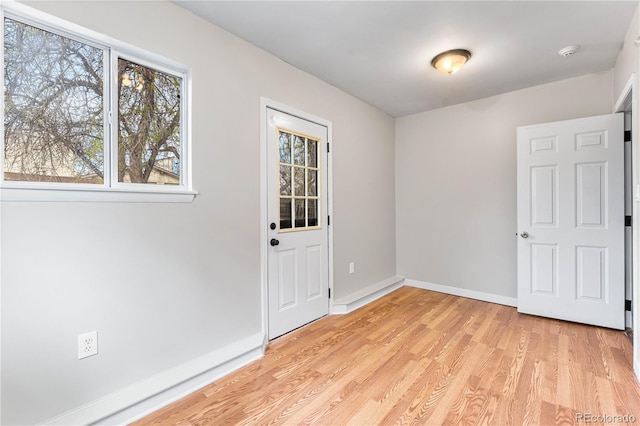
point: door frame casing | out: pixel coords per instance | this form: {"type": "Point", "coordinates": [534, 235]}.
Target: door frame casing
{"type": "Point", "coordinates": [264, 201]}
{"type": "Point", "coordinates": [631, 88]}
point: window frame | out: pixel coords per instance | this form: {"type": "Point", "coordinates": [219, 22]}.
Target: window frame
{"type": "Point", "coordinates": [306, 197]}
{"type": "Point", "coordinates": [115, 55]}
{"type": "Point", "coordinates": [110, 190]}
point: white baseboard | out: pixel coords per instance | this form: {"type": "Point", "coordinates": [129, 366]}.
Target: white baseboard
{"type": "Point", "coordinates": [350, 303]}
{"type": "Point", "coordinates": [463, 292]}
{"type": "Point", "coordinates": [143, 398]}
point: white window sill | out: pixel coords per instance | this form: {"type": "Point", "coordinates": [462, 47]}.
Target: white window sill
{"type": "Point", "coordinates": [101, 195]}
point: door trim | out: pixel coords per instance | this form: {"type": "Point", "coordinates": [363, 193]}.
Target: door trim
{"type": "Point", "coordinates": [631, 88]}
{"type": "Point", "coordinates": [264, 276]}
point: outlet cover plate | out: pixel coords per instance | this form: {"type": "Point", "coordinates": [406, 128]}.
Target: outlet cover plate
{"type": "Point", "coordinates": [87, 344]}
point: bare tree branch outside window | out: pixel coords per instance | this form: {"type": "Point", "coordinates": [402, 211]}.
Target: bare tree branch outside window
{"type": "Point", "coordinates": [148, 123]}
{"type": "Point", "coordinates": [53, 118]}
{"type": "Point", "coordinates": [54, 113]}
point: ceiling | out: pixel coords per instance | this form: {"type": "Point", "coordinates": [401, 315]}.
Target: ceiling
{"type": "Point", "coordinates": [380, 51]}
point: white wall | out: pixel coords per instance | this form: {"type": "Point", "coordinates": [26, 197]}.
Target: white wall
{"type": "Point", "coordinates": [627, 60]}
{"type": "Point", "coordinates": [165, 283]}
{"type": "Point", "coordinates": [456, 181]}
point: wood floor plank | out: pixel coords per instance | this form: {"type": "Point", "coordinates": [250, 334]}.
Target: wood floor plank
{"type": "Point", "coordinates": [487, 324]}
{"type": "Point", "coordinates": [552, 414]}
{"type": "Point", "coordinates": [549, 381]}
{"type": "Point", "coordinates": [447, 389]}
{"type": "Point", "coordinates": [420, 357]}
{"type": "Point", "coordinates": [426, 378]}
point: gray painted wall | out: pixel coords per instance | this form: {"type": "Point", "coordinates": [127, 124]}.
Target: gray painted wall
{"type": "Point", "coordinates": [164, 283]}
{"type": "Point", "coordinates": [456, 181]}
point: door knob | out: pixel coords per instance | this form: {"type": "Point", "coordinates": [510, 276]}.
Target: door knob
{"type": "Point", "coordinates": [524, 234]}
{"type": "Point", "coordinates": [274, 242]}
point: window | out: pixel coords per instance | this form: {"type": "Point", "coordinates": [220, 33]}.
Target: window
{"type": "Point", "coordinates": [53, 107]}
{"type": "Point", "coordinates": [148, 125]}
{"type": "Point", "coordinates": [299, 168]}
{"type": "Point", "coordinates": [86, 112]}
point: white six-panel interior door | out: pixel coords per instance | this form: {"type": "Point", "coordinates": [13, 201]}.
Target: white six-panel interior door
{"type": "Point", "coordinates": [570, 182]}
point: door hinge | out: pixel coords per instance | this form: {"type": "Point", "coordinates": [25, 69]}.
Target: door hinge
{"type": "Point", "coordinates": [628, 221]}
{"type": "Point", "coordinates": [328, 220]}
{"type": "Point", "coordinates": [627, 305]}
{"type": "Point", "coordinates": [627, 135]}
{"type": "Point", "coordinates": [328, 149]}
{"type": "Point", "coordinates": [329, 293]}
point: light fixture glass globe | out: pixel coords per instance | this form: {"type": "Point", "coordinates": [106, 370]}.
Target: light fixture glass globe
{"type": "Point", "coordinates": [450, 61]}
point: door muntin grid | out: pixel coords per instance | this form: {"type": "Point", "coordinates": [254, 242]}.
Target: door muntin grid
{"type": "Point", "coordinates": [300, 176]}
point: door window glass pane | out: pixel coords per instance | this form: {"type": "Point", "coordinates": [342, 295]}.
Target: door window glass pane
{"type": "Point", "coordinates": [312, 153]}
{"type": "Point", "coordinates": [285, 213]}
{"type": "Point", "coordinates": [298, 150]}
{"type": "Point", "coordinates": [312, 212]}
{"type": "Point", "coordinates": [298, 177]}
{"type": "Point", "coordinates": [53, 107]}
{"type": "Point", "coordinates": [300, 213]}
{"type": "Point", "coordinates": [312, 186]}
{"type": "Point", "coordinates": [285, 180]}
{"type": "Point", "coordinates": [149, 148]}
{"type": "Point", "coordinates": [285, 147]}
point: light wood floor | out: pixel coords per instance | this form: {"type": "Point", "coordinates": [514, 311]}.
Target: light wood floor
{"type": "Point", "coordinates": [419, 357]}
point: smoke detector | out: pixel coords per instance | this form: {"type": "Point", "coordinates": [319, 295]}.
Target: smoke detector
{"type": "Point", "coordinates": [568, 51]}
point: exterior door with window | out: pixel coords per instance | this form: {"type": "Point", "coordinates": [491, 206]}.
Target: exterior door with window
{"type": "Point", "coordinates": [571, 220]}
{"type": "Point", "coordinates": [298, 268]}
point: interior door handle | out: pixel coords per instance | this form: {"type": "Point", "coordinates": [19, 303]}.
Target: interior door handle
{"type": "Point", "coordinates": [524, 234]}
{"type": "Point", "coordinates": [274, 242]}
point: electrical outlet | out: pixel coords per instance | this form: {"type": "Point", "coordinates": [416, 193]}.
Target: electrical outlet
{"type": "Point", "coordinates": [352, 267]}
{"type": "Point", "coordinates": [87, 344]}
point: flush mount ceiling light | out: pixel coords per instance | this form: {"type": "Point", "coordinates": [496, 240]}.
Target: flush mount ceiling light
{"type": "Point", "coordinates": [450, 61]}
